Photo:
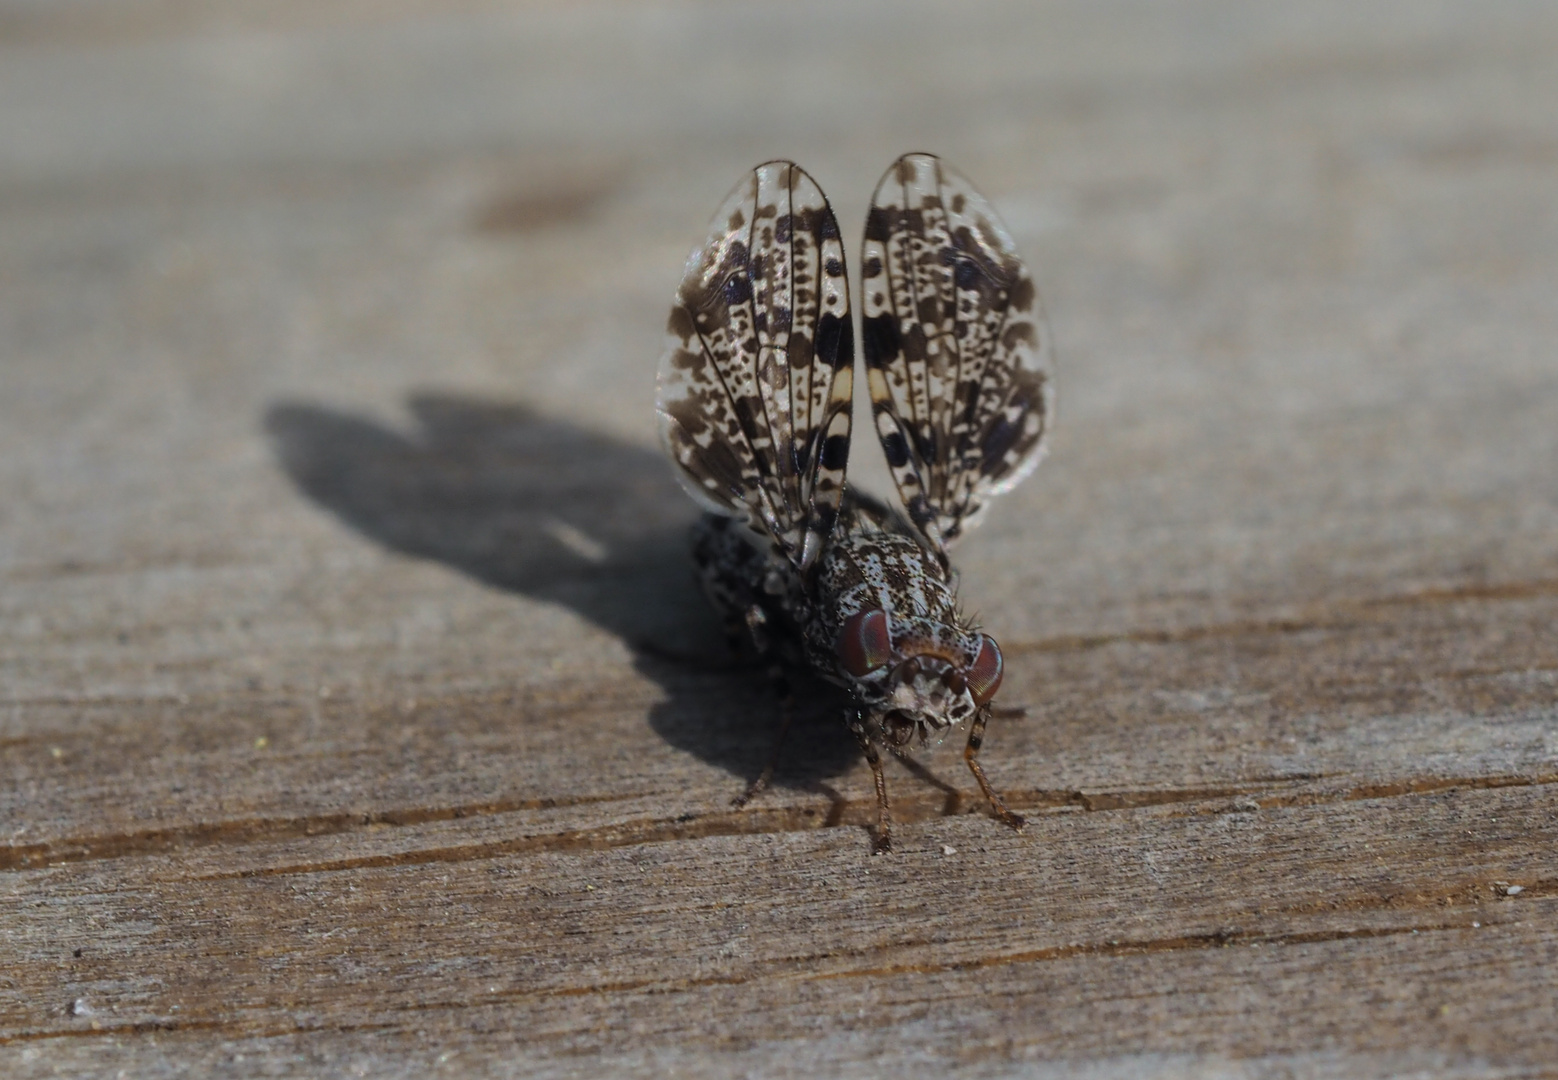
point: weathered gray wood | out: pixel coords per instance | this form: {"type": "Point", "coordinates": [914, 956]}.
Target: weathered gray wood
{"type": "Point", "coordinates": [359, 715]}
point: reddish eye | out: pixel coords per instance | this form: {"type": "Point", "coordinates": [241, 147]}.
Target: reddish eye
{"type": "Point", "coordinates": [864, 644]}
{"type": "Point", "coordinates": [984, 674]}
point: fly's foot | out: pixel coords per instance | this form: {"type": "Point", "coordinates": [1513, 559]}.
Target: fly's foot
{"type": "Point", "coordinates": [754, 789]}
{"type": "Point", "coordinates": [1016, 821]}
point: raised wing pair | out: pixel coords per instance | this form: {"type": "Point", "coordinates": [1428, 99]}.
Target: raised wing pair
{"type": "Point", "coordinates": [755, 396]}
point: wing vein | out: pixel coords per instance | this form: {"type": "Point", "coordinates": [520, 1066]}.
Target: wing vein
{"type": "Point", "coordinates": [755, 360]}
{"type": "Point", "coordinates": [911, 315]}
{"type": "Point", "coordinates": [801, 421]}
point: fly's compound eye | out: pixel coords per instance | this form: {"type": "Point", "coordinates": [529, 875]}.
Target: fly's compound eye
{"type": "Point", "coordinates": [864, 644]}
{"type": "Point", "coordinates": [984, 674]}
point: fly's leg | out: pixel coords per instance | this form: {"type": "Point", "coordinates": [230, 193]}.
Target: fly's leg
{"type": "Point", "coordinates": [755, 622]}
{"type": "Point", "coordinates": [735, 576]}
{"type": "Point", "coordinates": [976, 738]}
{"type": "Point", "coordinates": [882, 842]}
{"type": "Point", "coordinates": [781, 684]}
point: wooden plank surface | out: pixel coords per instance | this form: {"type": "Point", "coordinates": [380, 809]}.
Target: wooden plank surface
{"type": "Point", "coordinates": [360, 715]}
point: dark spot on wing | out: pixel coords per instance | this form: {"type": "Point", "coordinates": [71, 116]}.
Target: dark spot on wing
{"type": "Point", "coordinates": [798, 350]}
{"type": "Point", "coordinates": [844, 355]}
{"type": "Point", "coordinates": [913, 344]}
{"type": "Point", "coordinates": [878, 224]}
{"type": "Point", "coordinates": [1022, 295]}
{"type": "Point", "coordinates": [1007, 431]}
{"type": "Point", "coordinates": [688, 418]}
{"type": "Point", "coordinates": [896, 449]}
{"type": "Point", "coordinates": [1019, 331]}
{"type": "Point", "coordinates": [926, 442]}
{"type": "Point", "coordinates": [835, 341]}
{"type": "Point", "coordinates": [682, 360]}
{"type": "Point", "coordinates": [680, 323]}
{"type": "Point", "coordinates": [835, 452]}
{"type": "Point", "coordinates": [967, 274]}
{"type": "Point", "coordinates": [881, 339]}
{"type": "Point", "coordinates": [718, 463]}
{"type": "Point", "coordinates": [738, 289]}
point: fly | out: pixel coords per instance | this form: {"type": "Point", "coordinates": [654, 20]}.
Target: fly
{"type": "Point", "coordinates": [755, 394]}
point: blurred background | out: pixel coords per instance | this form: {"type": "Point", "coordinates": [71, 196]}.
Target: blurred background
{"type": "Point", "coordinates": [329, 329]}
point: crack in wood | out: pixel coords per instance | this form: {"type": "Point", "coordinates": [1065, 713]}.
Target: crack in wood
{"type": "Point", "coordinates": [233, 1028]}
{"type": "Point", "coordinates": [1216, 939]}
{"type": "Point", "coordinates": [250, 830]}
{"type": "Point", "coordinates": [857, 814]}
{"type": "Point", "coordinates": [1264, 793]}
{"type": "Point", "coordinates": [791, 968]}
{"type": "Point", "coordinates": [1396, 789]}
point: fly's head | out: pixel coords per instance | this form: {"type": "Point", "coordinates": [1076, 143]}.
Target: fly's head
{"type": "Point", "coordinates": [918, 678]}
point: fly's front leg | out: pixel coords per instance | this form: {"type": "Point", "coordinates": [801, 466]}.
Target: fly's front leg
{"type": "Point", "coordinates": [882, 842]}
{"type": "Point", "coordinates": [976, 738]}
{"type": "Point", "coordinates": [756, 622]}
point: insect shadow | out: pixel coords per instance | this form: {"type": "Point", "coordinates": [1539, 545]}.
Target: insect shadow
{"type": "Point", "coordinates": [541, 507]}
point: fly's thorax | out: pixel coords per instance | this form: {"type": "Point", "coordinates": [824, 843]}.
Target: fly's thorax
{"type": "Point", "coordinates": [864, 568]}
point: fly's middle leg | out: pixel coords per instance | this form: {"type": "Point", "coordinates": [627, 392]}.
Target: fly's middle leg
{"type": "Point", "coordinates": [779, 678]}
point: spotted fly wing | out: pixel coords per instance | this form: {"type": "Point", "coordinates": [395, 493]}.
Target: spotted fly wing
{"type": "Point", "coordinates": [956, 349]}
{"type": "Point", "coordinates": [757, 380]}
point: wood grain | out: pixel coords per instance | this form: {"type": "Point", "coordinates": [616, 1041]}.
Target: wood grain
{"type": "Point", "coordinates": [358, 711]}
